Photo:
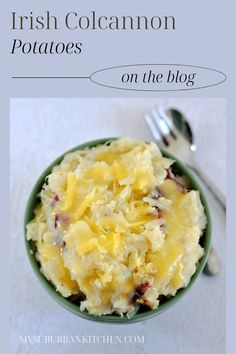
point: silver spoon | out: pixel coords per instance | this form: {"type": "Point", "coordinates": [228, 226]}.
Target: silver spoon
{"type": "Point", "coordinates": [183, 126]}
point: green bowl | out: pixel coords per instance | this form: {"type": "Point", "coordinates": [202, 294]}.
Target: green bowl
{"type": "Point", "coordinates": [73, 307]}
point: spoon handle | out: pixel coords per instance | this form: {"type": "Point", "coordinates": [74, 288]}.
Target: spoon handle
{"type": "Point", "coordinates": [212, 266]}
{"type": "Point", "coordinates": [217, 194]}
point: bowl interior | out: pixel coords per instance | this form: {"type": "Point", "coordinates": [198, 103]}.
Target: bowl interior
{"type": "Point", "coordinates": [73, 306]}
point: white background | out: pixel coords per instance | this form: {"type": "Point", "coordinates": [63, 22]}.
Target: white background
{"type": "Point", "coordinates": [42, 129]}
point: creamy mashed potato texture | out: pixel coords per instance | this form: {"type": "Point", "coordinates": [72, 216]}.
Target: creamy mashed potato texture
{"type": "Point", "coordinates": [115, 224]}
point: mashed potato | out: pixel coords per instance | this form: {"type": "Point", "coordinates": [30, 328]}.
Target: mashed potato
{"type": "Point", "coordinates": [115, 224]}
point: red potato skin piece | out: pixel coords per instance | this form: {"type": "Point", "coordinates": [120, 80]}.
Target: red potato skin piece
{"type": "Point", "coordinates": [56, 220]}
{"type": "Point", "coordinates": [140, 291]}
{"type": "Point", "coordinates": [55, 199]}
{"type": "Point", "coordinates": [171, 176]}
{"type": "Point", "coordinates": [63, 245]}
{"type": "Point", "coordinates": [143, 287]}
{"type": "Point", "coordinates": [60, 219]}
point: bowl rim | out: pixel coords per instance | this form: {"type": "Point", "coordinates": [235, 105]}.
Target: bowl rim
{"type": "Point", "coordinates": [74, 308]}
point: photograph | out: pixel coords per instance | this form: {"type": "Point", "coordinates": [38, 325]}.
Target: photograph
{"type": "Point", "coordinates": [118, 225]}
